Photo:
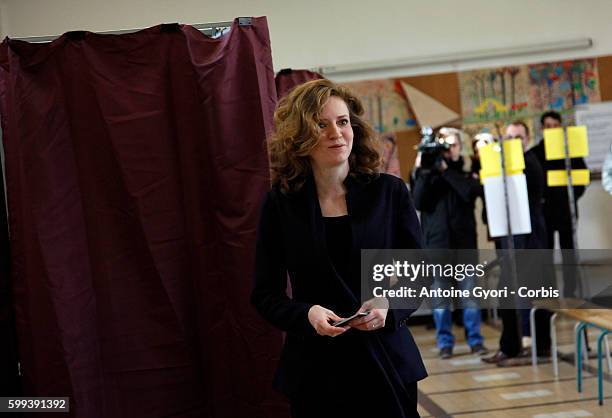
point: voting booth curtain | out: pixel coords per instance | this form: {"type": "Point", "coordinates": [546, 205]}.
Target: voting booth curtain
{"type": "Point", "coordinates": [135, 167]}
{"type": "Point", "coordinates": [287, 79]}
{"type": "Point", "coordinates": [9, 374]}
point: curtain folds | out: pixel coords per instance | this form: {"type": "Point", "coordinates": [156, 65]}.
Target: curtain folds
{"type": "Point", "coordinates": [135, 168]}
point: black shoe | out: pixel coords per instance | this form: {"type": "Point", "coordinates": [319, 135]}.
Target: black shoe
{"type": "Point", "coordinates": [514, 361]}
{"type": "Point", "coordinates": [495, 358]}
{"type": "Point", "coordinates": [446, 353]}
{"type": "Point", "coordinates": [479, 349]}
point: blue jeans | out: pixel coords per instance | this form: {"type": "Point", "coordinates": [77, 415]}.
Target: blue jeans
{"type": "Point", "coordinates": [444, 323]}
{"type": "Point", "coordinates": [471, 319]}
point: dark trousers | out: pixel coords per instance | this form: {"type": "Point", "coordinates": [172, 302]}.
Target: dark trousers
{"type": "Point", "coordinates": [516, 323]}
{"type": "Point", "coordinates": [570, 270]}
{"type": "Point", "coordinates": [364, 401]}
{"type": "Point", "coordinates": [510, 340]}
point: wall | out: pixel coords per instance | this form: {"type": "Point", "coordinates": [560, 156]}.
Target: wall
{"type": "Point", "coordinates": [315, 33]}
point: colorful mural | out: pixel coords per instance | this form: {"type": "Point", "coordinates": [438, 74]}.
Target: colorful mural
{"type": "Point", "coordinates": [562, 85]}
{"type": "Point", "coordinates": [385, 106]}
{"type": "Point", "coordinates": [494, 94]}
{"type": "Point", "coordinates": [525, 92]}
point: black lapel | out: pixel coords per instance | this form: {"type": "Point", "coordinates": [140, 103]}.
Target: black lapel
{"type": "Point", "coordinates": [354, 202]}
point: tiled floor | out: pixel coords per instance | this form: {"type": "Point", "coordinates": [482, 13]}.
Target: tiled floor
{"type": "Point", "coordinates": [464, 386]}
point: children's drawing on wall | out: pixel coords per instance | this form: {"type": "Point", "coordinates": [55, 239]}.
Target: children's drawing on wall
{"type": "Point", "coordinates": [385, 107]}
{"type": "Point", "coordinates": [494, 94]}
{"type": "Point", "coordinates": [562, 85]}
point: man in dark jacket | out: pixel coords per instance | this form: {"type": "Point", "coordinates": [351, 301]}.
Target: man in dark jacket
{"type": "Point", "coordinates": [510, 347]}
{"type": "Point", "coordinates": [536, 186]}
{"type": "Point", "coordinates": [557, 207]}
{"type": "Point", "coordinates": [445, 195]}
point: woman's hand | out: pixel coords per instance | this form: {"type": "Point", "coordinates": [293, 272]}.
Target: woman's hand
{"type": "Point", "coordinates": [320, 319]}
{"type": "Point", "coordinates": [378, 308]}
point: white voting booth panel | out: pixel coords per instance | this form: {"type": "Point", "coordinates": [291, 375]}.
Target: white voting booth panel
{"type": "Point", "coordinates": [518, 202]}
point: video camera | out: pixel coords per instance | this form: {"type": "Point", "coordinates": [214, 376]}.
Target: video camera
{"type": "Point", "coordinates": [431, 148]}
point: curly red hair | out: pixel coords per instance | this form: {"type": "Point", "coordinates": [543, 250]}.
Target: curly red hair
{"type": "Point", "coordinates": [297, 133]}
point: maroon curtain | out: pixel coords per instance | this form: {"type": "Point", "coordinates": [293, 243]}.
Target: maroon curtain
{"type": "Point", "coordinates": [287, 79]}
{"type": "Point", "coordinates": [135, 168]}
{"type": "Point", "coordinates": [9, 372]}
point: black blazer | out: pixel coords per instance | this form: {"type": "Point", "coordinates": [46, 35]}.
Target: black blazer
{"type": "Point", "coordinates": [291, 239]}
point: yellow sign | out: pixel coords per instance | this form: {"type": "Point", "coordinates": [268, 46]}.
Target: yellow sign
{"type": "Point", "coordinates": [559, 177]}
{"type": "Point", "coordinates": [490, 161]}
{"type": "Point", "coordinates": [490, 158]}
{"type": "Point", "coordinates": [577, 141]}
{"type": "Point", "coordinates": [513, 152]}
{"type": "Point", "coordinates": [554, 146]}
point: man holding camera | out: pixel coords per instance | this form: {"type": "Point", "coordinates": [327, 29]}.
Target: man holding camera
{"type": "Point", "coordinates": [445, 194]}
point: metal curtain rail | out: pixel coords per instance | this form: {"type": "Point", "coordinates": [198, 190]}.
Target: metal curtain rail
{"type": "Point", "coordinates": [209, 29]}
{"type": "Point", "coordinates": [453, 58]}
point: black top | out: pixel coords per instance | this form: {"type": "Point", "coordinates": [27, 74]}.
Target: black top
{"type": "Point", "coordinates": [339, 241]}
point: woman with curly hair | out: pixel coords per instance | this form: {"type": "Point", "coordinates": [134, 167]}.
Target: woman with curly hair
{"type": "Point", "coordinates": [328, 201]}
